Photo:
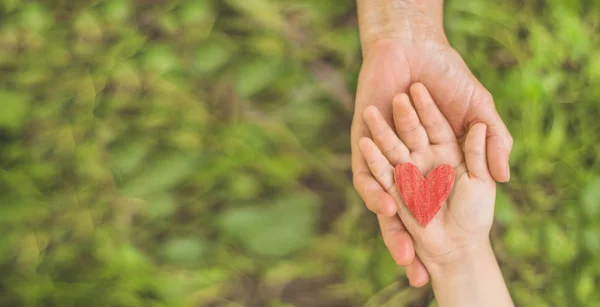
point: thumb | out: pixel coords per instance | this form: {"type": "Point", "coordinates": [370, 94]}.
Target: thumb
{"type": "Point", "coordinates": [499, 142]}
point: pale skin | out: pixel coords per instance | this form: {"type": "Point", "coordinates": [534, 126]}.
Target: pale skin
{"type": "Point", "coordinates": [403, 42]}
{"type": "Point", "coordinates": [454, 247]}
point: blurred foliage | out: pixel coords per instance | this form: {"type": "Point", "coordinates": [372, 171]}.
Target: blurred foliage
{"type": "Point", "coordinates": [196, 153]}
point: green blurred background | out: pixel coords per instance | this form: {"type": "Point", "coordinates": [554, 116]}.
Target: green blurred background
{"type": "Point", "coordinates": [196, 153]}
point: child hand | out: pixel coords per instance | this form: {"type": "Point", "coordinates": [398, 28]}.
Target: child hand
{"type": "Point", "coordinates": [424, 137]}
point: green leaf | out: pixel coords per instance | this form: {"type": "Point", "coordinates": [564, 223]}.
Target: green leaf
{"type": "Point", "coordinates": [593, 68]}
{"type": "Point", "coordinates": [160, 206]}
{"type": "Point", "coordinates": [186, 250]}
{"type": "Point", "coordinates": [525, 297]}
{"type": "Point", "coordinates": [117, 10]}
{"type": "Point", "coordinates": [211, 57]}
{"type": "Point", "coordinates": [6, 244]}
{"type": "Point", "coordinates": [520, 242]}
{"type": "Point", "coordinates": [591, 198]}
{"type": "Point", "coordinates": [275, 230]}
{"type": "Point", "coordinates": [384, 268]}
{"type": "Point", "coordinates": [160, 59]}
{"type": "Point", "coordinates": [257, 76]}
{"type": "Point", "coordinates": [14, 109]}
{"type": "Point", "coordinates": [505, 208]}
{"type": "Point", "coordinates": [88, 25]}
{"type": "Point", "coordinates": [127, 159]}
{"type": "Point", "coordinates": [591, 235]}
{"type": "Point", "coordinates": [263, 12]}
{"type": "Point", "coordinates": [585, 288]}
{"type": "Point", "coordinates": [196, 11]}
{"type": "Point", "coordinates": [35, 18]}
{"type": "Point", "coordinates": [561, 249]}
{"type": "Point", "coordinates": [10, 5]}
{"type": "Point", "coordinates": [130, 45]}
{"type": "Point", "coordinates": [211, 276]}
{"type": "Point", "coordinates": [244, 186]}
{"type": "Point", "coordinates": [161, 175]}
{"type": "Point", "coordinates": [132, 258]}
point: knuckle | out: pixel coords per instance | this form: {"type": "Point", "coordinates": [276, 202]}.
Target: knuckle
{"type": "Point", "coordinates": [433, 123]}
{"type": "Point", "coordinates": [386, 240]}
{"type": "Point", "coordinates": [409, 127]}
{"type": "Point", "coordinates": [479, 96]}
{"type": "Point", "coordinates": [387, 181]}
{"type": "Point", "coordinates": [370, 206]}
{"type": "Point", "coordinates": [496, 145]}
{"type": "Point", "coordinates": [510, 141]}
{"type": "Point", "coordinates": [486, 96]}
{"type": "Point", "coordinates": [386, 234]}
{"type": "Point", "coordinates": [373, 163]}
{"type": "Point", "coordinates": [378, 133]}
{"type": "Point", "coordinates": [390, 149]}
{"type": "Point", "coordinates": [474, 154]}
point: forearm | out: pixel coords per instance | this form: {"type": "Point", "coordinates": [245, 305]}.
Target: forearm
{"type": "Point", "coordinates": [389, 18]}
{"type": "Point", "coordinates": [474, 280]}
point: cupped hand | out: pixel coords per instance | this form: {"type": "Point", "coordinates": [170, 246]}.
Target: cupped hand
{"type": "Point", "coordinates": [424, 138]}
{"type": "Point", "coordinates": [407, 48]}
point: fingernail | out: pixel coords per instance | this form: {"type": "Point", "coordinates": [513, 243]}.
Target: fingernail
{"type": "Point", "coordinates": [508, 172]}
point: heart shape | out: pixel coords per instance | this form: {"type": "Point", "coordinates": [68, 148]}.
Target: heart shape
{"type": "Point", "coordinates": [424, 196]}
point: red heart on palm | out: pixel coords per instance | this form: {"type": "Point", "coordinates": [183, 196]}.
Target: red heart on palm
{"type": "Point", "coordinates": [424, 196]}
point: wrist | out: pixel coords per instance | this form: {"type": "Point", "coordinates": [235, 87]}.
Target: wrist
{"type": "Point", "coordinates": [463, 263]}
{"type": "Point", "coordinates": [470, 277]}
{"type": "Point", "coordinates": [432, 8]}
{"type": "Point", "coordinates": [400, 19]}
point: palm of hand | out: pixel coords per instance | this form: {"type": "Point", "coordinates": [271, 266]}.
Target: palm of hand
{"type": "Point", "coordinates": [467, 213]}
{"type": "Point", "coordinates": [426, 140]}
{"type": "Point", "coordinates": [395, 63]}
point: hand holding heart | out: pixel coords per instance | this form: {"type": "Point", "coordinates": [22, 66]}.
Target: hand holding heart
{"type": "Point", "coordinates": [430, 165]}
{"type": "Point", "coordinates": [424, 196]}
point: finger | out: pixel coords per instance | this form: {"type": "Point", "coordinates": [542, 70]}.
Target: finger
{"type": "Point", "coordinates": [437, 127]}
{"type": "Point", "coordinates": [417, 274]}
{"type": "Point", "coordinates": [408, 125]}
{"type": "Point", "coordinates": [397, 240]}
{"type": "Point", "coordinates": [385, 138]}
{"type": "Point", "coordinates": [498, 159]}
{"type": "Point", "coordinates": [374, 196]}
{"type": "Point", "coordinates": [378, 164]}
{"type": "Point", "coordinates": [498, 141]}
{"type": "Point", "coordinates": [499, 144]}
{"type": "Point", "coordinates": [384, 173]}
{"type": "Point", "coordinates": [475, 154]}
{"type": "Point", "coordinates": [392, 228]}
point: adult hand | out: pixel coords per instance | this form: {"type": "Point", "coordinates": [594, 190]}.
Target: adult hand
{"type": "Point", "coordinates": [403, 42]}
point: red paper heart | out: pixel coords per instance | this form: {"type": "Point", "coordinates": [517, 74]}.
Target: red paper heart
{"type": "Point", "coordinates": [424, 196]}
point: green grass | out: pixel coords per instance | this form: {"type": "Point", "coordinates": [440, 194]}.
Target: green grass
{"type": "Point", "coordinates": [175, 153]}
